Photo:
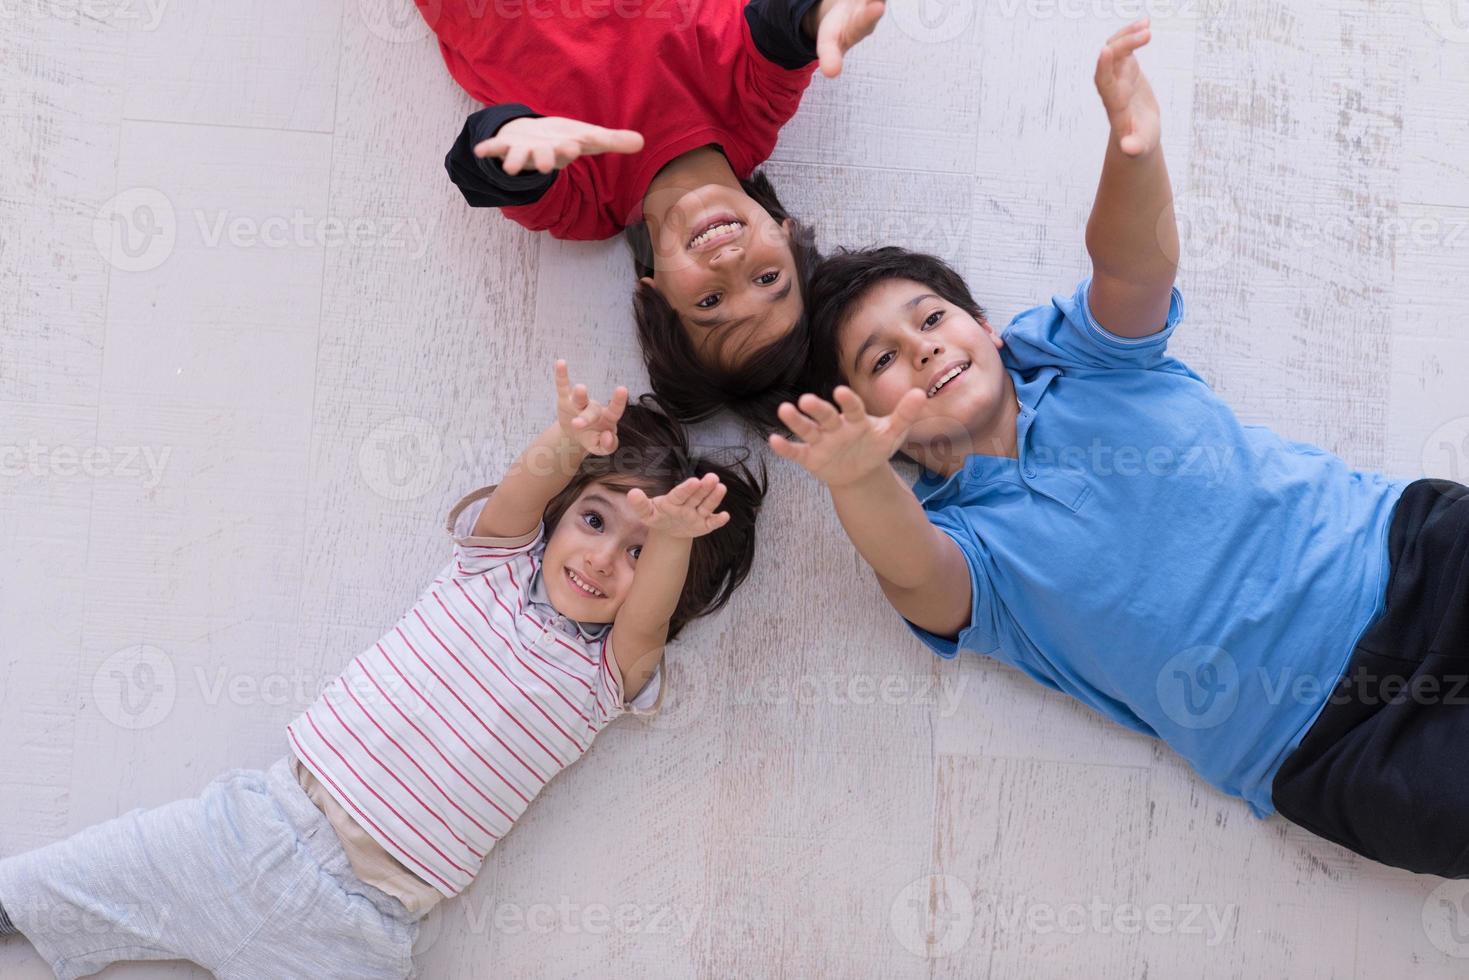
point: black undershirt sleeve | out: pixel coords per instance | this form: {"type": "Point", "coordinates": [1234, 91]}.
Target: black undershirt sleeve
{"type": "Point", "coordinates": [482, 180]}
{"type": "Point", "coordinates": [776, 27]}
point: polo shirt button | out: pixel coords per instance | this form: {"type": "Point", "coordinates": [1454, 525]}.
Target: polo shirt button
{"type": "Point", "coordinates": [1030, 472]}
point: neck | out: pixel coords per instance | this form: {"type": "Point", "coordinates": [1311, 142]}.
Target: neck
{"type": "Point", "coordinates": [942, 453]}
{"type": "Point", "coordinates": [698, 167]}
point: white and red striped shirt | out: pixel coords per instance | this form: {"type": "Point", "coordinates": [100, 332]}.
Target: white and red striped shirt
{"type": "Point", "coordinates": [436, 738]}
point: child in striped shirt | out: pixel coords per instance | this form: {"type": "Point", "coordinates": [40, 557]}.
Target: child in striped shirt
{"type": "Point", "coordinates": [603, 541]}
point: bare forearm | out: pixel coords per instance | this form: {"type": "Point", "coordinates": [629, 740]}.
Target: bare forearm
{"type": "Point", "coordinates": [1132, 235]}
{"type": "Point", "coordinates": [641, 628]}
{"type": "Point", "coordinates": [542, 471]}
{"type": "Point", "coordinates": [887, 524]}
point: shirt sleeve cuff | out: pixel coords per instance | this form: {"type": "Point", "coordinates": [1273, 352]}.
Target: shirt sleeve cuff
{"type": "Point", "coordinates": [462, 517]}
{"type": "Point", "coordinates": [650, 699]}
{"type": "Point", "coordinates": [483, 180]}
{"type": "Point", "coordinates": [775, 27]}
{"type": "Point", "coordinates": [1111, 341]}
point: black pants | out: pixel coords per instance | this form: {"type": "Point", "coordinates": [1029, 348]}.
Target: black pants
{"type": "Point", "coordinates": [1384, 771]}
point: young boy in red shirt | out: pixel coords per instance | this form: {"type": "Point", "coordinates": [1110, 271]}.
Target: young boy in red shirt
{"type": "Point", "coordinates": [651, 116]}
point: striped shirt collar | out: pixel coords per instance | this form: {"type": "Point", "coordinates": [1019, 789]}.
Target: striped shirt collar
{"type": "Point", "coordinates": [537, 596]}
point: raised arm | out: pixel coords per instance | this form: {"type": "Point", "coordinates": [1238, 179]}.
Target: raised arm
{"type": "Point", "coordinates": [790, 33]}
{"type": "Point", "coordinates": [547, 465]}
{"type": "Point", "coordinates": [508, 155]}
{"type": "Point", "coordinates": [674, 520]}
{"type": "Point", "coordinates": [1132, 234]}
{"type": "Point", "coordinates": [921, 570]}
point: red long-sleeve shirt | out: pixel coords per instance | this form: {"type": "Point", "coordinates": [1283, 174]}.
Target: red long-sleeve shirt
{"type": "Point", "coordinates": [684, 73]}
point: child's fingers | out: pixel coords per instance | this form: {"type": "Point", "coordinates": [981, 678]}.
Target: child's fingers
{"type": "Point", "coordinates": [821, 410]}
{"type": "Point", "coordinates": [1127, 29]}
{"type": "Point", "coordinates": [829, 54]}
{"type": "Point", "coordinates": [717, 521]}
{"type": "Point", "coordinates": [851, 404]}
{"type": "Point", "coordinates": [607, 442]}
{"type": "Point", "coordinates": [544, 158]}
{"type": "Point", "coordinates": [641, 505]}
{"type": "Point", "coordinates": [702, 492]}
{"type": "Point", "coordinates": [679, 495]}
{"type": "Point", "coordinates": [515, 159]}
{"type": "Point", "coordinates": [798, 423]}
{"type": "Point", "coordinates": [492, 147]}
{"type": "Point", "coordinates": [618, 403]}
{"type": "Point", "coordinates": [563, 379]}
{"type": "Point", "coordinates": [711, 503]}
{"type": "Point", "coordinates": [615, 141]}
{"type": "Point", "coordinates": [579, 399]}
{"type": "Point", "coordinates": [909, 408]}
{"type": "Point", "coordinates": [786, 449]}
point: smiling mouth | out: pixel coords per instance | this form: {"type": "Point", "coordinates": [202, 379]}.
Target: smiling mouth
{"type": "Point", "coordinates": [716, 231]}
{"type": "Point", "coordinates": [946, 377]}
{"type": "Point", "coordinates": [583, 586]}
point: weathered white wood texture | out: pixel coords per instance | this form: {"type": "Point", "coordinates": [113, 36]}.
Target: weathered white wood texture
{"type": "Point", "coordinates": [313, 346]}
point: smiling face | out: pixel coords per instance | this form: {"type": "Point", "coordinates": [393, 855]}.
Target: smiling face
{"type": "Point", "coordinates": [900, 335]}
{"type": "Point", "coordinates": [726, 267]}
{"type": "Point", "coordinates": [591, 556]}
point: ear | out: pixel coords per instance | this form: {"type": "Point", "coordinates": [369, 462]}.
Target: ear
{"type": "Point", "coordinates": [999, 341]}
{"type": "Point", "coordinates": [648, 281]}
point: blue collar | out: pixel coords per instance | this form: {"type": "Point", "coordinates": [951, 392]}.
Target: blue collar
{"type": "Point", "coordinates": [932, 487]}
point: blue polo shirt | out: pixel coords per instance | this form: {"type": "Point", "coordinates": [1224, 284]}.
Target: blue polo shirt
{"type": "Point", "coordinates": [1187, 576]}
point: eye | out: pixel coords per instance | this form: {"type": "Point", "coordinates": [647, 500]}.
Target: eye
{"type": "Point", "coordinates": [635, 551]}
{"type": "Point", "coordinates": [881, 362]}
{"type": "Point", "coordinates": [769, 278]}
{"type": "Point", "coordinates": [710, 301]}
{"type": "Point", "coordinates": [932, 319]}
{"type": "Point", "coordinates": [592, 519]}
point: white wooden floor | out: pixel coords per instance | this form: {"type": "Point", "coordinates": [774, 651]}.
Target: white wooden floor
{"type": "Point", "coordinates": [229, 444]}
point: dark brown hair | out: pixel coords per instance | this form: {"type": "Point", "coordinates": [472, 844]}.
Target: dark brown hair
{"type": "Point", "coordinates": [838, 284]}
{"type": "Point", "coordinates": [693, 390]}
{"type": "Point", "coordinates": [653, 454]}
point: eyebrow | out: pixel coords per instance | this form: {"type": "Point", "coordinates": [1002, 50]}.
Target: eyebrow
{"type": "Point", "coordinates": [872, 337]}
{"type": "Point", "coordinates": [597, 498]}
{"type": "Point", "coordinates": [718, 321]}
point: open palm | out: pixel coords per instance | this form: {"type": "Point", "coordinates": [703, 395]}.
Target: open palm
{"type": "Point", "coordinates": [1126, 93]}
{"type": "Point", "coordinates": [551, 142]}
{"type": "Point", "coordinates": [843, 446]}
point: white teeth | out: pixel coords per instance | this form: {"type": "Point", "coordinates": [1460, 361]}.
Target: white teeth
{"type": "Point", "coordinates": [718, 229]}
{"type": "Point", "coordinates": [581, 584]}
{"type": "Point", "coordinates": [953, 373]}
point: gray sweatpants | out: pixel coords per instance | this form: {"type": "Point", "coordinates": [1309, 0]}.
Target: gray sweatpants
{"type": "Point", "coordinates": [248, 880]}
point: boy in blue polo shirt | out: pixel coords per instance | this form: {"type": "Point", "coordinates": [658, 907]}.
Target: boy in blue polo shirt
{"type": "Point", "coordinates": [1093, 514]}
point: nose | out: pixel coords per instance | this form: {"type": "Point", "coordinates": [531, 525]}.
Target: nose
{"type": "Point", "coordinates": [927, 351]}
{"type": "Point", "coordinates": [730, 253]}
{"type": "Point", "coordinates": [599, 560]}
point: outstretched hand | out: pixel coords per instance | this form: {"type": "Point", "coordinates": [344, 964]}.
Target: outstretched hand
{"type": "Point", "coordinates": [1126, 94]}
{"type": "Point", "coordinates": [838, 26]}
{"type": "Point", "coordinates": [592, 425]}
{"type": "Point", "coordinates": [549, 143]}
{"type": "Point", "coordinates": [686, 511]}
{"type": "Point", "coordinates": [843, 446]}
